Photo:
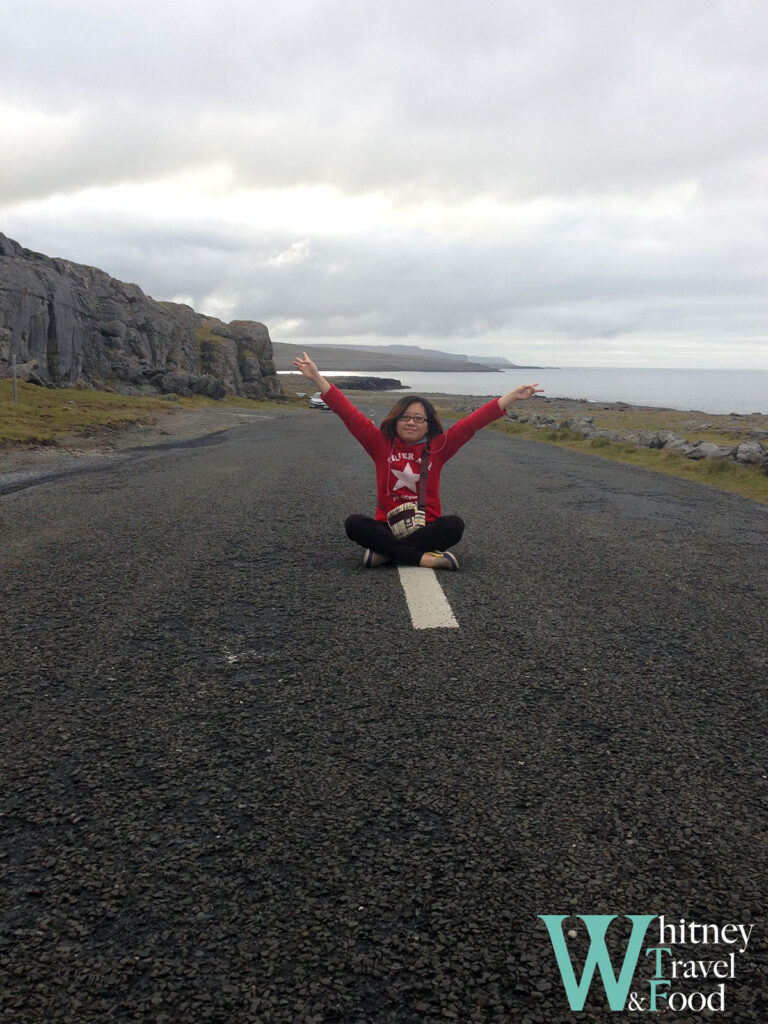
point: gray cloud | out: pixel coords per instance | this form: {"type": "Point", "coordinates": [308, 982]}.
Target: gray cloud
{"type": "Point", "coordinates": [502, 98]}
{"type": "Point", "coordinates": [642, 127]}
{"type": "Point", "coordinates": [590, 273]}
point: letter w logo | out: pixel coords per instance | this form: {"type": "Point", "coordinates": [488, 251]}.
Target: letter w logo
{"type": "Point", "coordinates": [597, 925]}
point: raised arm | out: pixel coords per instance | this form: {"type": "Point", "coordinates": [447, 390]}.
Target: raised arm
{"type": "Point", "coordinates": [517, 394]}
{"type": "Point", "coordinates": [305, 365]}
{"type": "Point", "coordinates": [369, 435]}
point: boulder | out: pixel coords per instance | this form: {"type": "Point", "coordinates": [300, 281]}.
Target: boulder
{"type": "Point", "coordinates": [751, 453]}
{"type": "Point", "coordinates": [707, 450]}
{"type": "Point", "coordinates": [656, 439]}
{"type": "Point", "coordinates": [540, 419]}
{"type": "Point", "coordinates": [28, 372]}
{"type": "Point", "coordinates": [584, 425]}
{"type": "Point", "coordinates": [210, 387]}
{"type": "Point", "coordinates": [679, 444]}
{"type": "Point", "coordinates": [175, 382]}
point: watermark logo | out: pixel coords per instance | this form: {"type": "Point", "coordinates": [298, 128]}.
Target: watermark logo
{"type": "Point", "coordinates": [690, 962]}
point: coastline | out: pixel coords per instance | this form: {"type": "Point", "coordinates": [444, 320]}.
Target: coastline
{"type": "Point", "coordinates": [184, 424]}
{"type": "Point", "coordinates": [22, 463]}
{"type": "Point", "coordinates": [695, 419]}
{"type": "Point", "coordinates": [658, 417]}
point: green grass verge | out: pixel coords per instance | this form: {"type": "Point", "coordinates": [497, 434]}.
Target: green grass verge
{"type": "Point", "coordinates": [747, 481]}
{"type": "Point", "coordinates": [42, 415]}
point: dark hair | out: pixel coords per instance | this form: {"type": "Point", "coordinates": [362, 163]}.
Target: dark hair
{"type": "Point", "coordinates": [389, 423]}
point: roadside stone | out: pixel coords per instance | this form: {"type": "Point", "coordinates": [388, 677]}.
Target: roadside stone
{"type": "Point", "coordinates": [679, 444]}
{"type": "Point", "coordinates": [751, 453]}
{"type": "Point", "coordinates": [28, 372]}
{"type": "Point", "coordinates": [211, 387]}
{"type": "Point", "coordinates": [656, 439]}
{"type": "Point", "coordinates": [542, 420]}
{"type": "Point", "coordinates": [175, 382]}
{"type": "Point", "coordinates": [584, 425]}
{"type": "Point", "coordinates": [707, 450]}
{"type": "Point", "coordinates": [648, 439]}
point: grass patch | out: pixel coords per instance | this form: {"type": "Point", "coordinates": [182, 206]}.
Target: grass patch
{"type": "Point", "coordinates": [208, 332]}
{"type": "Point", "coordinates": [42, 415]}
{"type": "Point", "coordinates": [726, 475]}
{"type": "Point", "coordinates": [557, 434]}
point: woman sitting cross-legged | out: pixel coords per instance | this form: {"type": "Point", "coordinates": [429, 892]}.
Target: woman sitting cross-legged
{"type": "Point", "coordinates": [409, 451]}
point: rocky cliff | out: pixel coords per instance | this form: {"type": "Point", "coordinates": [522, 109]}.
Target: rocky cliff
{"type": "Point", "coordinates": [71, 324]}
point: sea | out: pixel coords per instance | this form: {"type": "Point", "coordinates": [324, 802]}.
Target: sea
{"type": "Point", "coordinates": [713, 391]}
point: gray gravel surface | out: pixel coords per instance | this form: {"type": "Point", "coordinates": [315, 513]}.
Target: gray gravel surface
{"type": "Point", "coordinates": [238, 786]}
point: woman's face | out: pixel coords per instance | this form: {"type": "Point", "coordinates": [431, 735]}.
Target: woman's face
{"type": "Point", "coordinates": [409, 430]}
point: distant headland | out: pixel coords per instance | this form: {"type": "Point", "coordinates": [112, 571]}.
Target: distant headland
{"type": "Point", "coordinates": [402, 358]}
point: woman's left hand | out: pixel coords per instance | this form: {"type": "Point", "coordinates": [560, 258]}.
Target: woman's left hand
{"type": "Point", "coordinates": [526, 391]}
{"type": "Point", "coordinates": [518, 394]}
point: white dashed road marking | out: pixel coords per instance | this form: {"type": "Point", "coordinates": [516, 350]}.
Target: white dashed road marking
{"type": "Point", "coordinates": [427, 603]}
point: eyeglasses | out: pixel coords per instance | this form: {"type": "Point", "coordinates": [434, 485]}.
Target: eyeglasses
{"type": "Point", "coordinates": [415, 419]}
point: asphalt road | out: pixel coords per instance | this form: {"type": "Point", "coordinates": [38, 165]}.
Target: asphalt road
{"type": "Point", "coordinates": [239, 786]}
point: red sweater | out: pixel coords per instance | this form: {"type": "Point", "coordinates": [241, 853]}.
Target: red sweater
{"type": "Point", "coordinates": [398, 464]}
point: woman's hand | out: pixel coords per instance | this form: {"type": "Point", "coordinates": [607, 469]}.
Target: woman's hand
{"type": "Point", "coordinates": [305, 365]}
{"type": "Point", "coordinates": [518, 394]}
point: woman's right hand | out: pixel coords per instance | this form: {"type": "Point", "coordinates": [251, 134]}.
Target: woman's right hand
{"type": "Point", "coordinates": [305, 365]}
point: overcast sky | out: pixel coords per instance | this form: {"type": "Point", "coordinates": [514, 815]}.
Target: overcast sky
{"type": "Point", "coordinates": [575, 182]}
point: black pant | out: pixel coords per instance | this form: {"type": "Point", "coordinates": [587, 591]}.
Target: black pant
{"type": "Point", "coordinates": [439, 535]}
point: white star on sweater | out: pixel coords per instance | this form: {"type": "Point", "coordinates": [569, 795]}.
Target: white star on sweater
{"type": "Point", "coordinates": [406, 478]}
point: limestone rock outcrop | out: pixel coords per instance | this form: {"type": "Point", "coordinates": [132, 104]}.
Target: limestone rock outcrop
{"type": "Point", "coordinates": [69, 324]}
{"type": "Point", "coordinates": [367, 383]}
{"type": "Point", "coordinates": [748, 453]}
